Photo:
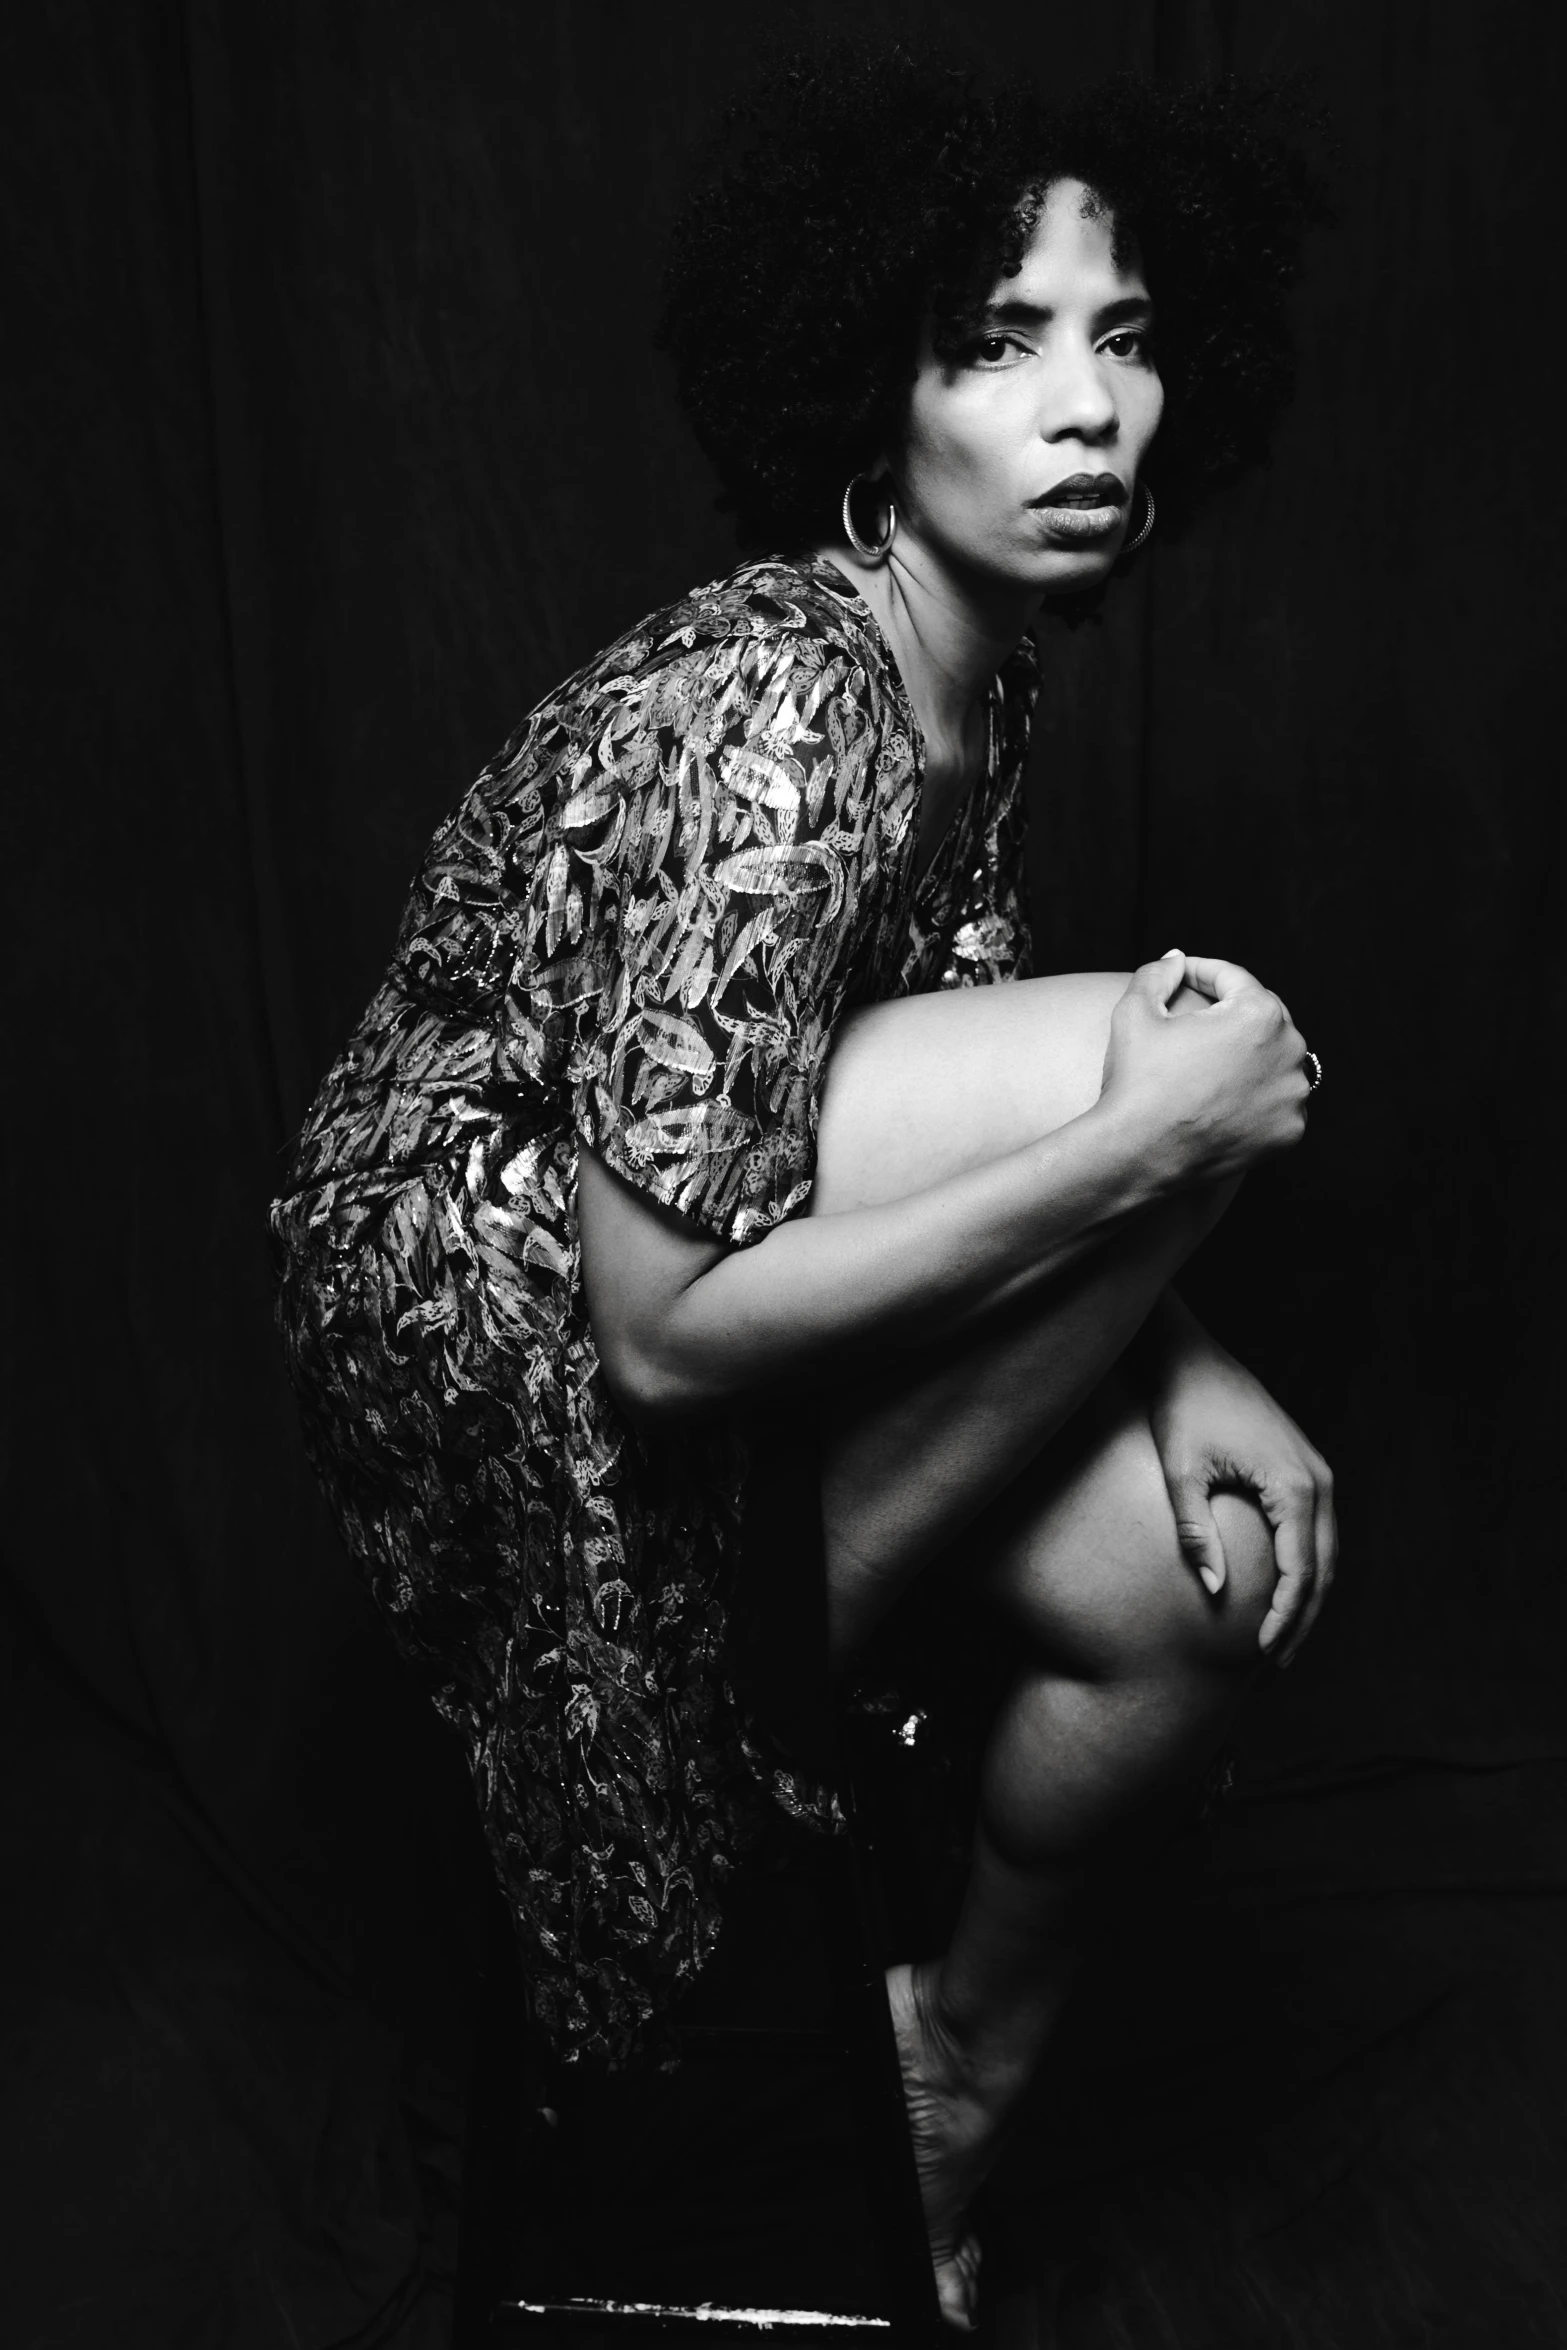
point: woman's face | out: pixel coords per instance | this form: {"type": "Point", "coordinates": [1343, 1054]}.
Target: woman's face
{"type": "Point", "coordinates": [1022, 453]}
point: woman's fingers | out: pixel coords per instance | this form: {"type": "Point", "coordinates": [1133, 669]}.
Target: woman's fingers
{"type": "Point", "coordinates": [1196, 1527]}
{"type": "Point", "coordinates": [1160, 980]}
{"type": "Point", "coordinates": [1211, 976]}
{"type": "Point", "coordinates": [1325, 1529]}
{"type": "Point", "coordinates": [1293, 1516]}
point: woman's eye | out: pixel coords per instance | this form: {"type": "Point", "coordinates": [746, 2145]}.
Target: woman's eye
{"type": "Point", "coordinates": [989, 349]}
{"type": "Point", "coordinates": [1130, 343]}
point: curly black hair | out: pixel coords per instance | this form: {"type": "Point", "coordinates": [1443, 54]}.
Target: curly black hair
{"type": "Point", "coordinates": [859, 192]}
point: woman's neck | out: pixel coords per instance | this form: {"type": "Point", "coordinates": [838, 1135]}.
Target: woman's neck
{"type": "Point", "coordinates": [949, 635]}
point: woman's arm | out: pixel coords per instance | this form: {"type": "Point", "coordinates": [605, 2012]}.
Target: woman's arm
{"type": "Point", "coordinates": [684, 1325]}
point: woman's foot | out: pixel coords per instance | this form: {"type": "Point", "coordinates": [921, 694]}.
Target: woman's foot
{"type": "Point", "coordinates": [955, 2132]}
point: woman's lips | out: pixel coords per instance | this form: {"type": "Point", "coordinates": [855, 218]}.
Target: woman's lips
{"type": "Point", "coordinates": [1081, 522]}
{"type": "Point", "coordinates": [1085, 489]}
{"type": "Point", "coordinates": [1084, 506]}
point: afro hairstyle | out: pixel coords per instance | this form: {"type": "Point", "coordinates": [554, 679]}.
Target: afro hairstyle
{"type": "Point", "coordinates": [856, 195]}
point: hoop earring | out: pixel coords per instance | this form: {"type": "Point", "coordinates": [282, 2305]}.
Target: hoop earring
{"type": "Point", "coordinates": [877, 553]}
{"type": "Point", "coordinates": [1130, 545]}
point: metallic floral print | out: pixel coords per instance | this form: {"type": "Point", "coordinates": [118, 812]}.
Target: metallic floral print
{"type": "Point", "coordinates": [635, 932]}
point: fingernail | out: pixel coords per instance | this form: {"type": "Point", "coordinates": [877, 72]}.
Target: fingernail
{"type": "Point", "coordinates": [1213, 1577]}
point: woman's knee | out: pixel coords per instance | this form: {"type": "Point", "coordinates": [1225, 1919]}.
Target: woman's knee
{"type": "Point", "coordinates": [923, 1088]}
{"type": "Point", "coordinates": [1092, 1573]}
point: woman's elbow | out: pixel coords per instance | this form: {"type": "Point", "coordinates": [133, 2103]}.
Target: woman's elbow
{"type": "Point", "coordinates": [650, 1384]}
{"type": "Point", "coordinates": [640, 1263]}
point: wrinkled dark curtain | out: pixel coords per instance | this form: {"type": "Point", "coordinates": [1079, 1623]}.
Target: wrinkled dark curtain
{"type": "Point", "coordinates": [334, 438]}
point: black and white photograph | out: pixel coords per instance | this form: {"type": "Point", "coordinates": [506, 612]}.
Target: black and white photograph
{"type": "Point", "coordinates": [783, 1537]}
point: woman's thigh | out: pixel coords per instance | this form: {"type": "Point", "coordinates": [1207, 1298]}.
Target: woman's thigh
{"type": "Point", "coordinates": [928, 1086]}
{"type": "Point", "coordinates": [918, 1091]}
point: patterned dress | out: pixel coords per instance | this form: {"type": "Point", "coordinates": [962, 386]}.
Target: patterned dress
{"type": "Point", "coordinates": [636, 932]}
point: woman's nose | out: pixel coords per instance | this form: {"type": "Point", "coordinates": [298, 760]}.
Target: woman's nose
{"type": "Point", "coordinates": [1080, 401]}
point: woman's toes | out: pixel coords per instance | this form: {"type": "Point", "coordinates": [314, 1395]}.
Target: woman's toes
{"type": "Point", "coordinates": [948, 2152]}
{"type": "Point", "coordinates": [957, 2286]}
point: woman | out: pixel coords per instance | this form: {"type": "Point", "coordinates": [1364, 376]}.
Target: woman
{"type": "Point", "coordinates": [689, 1088]}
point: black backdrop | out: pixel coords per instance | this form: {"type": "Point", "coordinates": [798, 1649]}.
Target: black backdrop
{"type": "Point", "coordinates": [335, 438]}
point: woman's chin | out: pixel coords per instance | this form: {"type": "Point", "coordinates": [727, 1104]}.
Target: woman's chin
{"type": "Point", "coordinates": [997, 564]}
{"type": "Point", "coordinates": [1055, 571]}
{"type": "Point", "coordinates": [1067, 571]}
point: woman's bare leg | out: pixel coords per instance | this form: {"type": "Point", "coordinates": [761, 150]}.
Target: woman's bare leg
{"type": "Point", "coordinates": [1133, 1671]}
{"type": "Point", "coordinates": [1132, 1674]}
{"type": "Point", "coordinates": [917, 1091]}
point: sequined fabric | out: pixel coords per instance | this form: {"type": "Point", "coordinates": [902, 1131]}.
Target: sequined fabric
{"type": "Point", "coordinates": [635, 932]}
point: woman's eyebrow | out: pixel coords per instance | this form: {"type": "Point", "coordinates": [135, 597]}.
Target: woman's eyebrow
{"type": "Point", "coordinates": [1131, 309]}
{"type": "Point", "coordinates": [1125, 310]}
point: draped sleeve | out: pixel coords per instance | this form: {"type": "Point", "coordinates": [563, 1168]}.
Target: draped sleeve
{"type": "Point", "coordinates": [743, 790]}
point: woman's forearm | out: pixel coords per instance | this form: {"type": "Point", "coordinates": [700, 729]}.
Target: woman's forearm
{"type": "Point", "coordinates": [819, 1294]}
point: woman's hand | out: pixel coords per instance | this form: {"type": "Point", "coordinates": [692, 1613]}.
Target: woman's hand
{"type": "Point", "coordinates": [1218, 1430]}
{"type": "Point", "coordinates": [1219, 1082]}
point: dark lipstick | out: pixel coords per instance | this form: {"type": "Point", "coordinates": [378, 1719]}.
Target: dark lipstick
{"type": "Point", "coordinates": [1085, 489]}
